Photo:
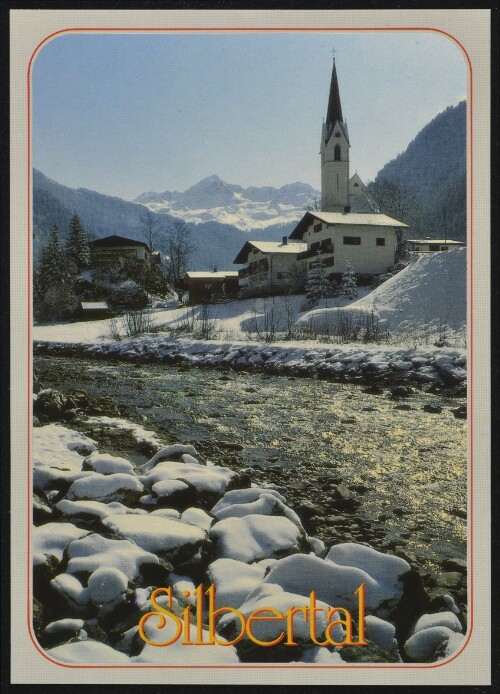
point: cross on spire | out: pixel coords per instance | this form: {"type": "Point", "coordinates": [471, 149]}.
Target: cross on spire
{"type": "Point", "coordinates": [333, 52]}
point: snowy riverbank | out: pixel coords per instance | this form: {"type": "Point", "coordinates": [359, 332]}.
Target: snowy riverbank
{"type": "Point", "coordinates": [108, 532]}
{"type": "Point", "coordinates": [352, 361]}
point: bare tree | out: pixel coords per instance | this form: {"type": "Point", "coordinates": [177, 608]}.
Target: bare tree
{"type": "Point", "coordinates": [151, 229]}
{"type": "Point", "coordinates": [396, 201]}
{"type": "Point", "coordinates": [180, 248]}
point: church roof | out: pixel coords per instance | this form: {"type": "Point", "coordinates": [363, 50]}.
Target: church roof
{"type": "Point", "coordinates": [345, 219]}
{"type": "Point", "coordinates": [334, 112]}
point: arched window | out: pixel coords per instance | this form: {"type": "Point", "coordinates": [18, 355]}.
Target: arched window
{"type": "Point", "coordinates": [336, 153]}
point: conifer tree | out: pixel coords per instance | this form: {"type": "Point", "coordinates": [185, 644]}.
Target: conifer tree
{"type": "Point", "coordinates": [52, 267]}
{"type": "Point", "coordinates": [77, 247]}
{"type": "Point", "coordinates": [317, 285]}
{"type": "Point", "coordinates": [348, 287]}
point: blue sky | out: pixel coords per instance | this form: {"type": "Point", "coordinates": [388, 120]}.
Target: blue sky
{"type": "Point", "coordinates": [127, 113]}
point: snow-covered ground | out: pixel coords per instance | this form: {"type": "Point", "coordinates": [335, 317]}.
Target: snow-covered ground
{"type": "Point", "coordinates": [424, 303]}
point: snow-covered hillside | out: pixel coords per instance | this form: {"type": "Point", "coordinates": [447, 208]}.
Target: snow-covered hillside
{"type": "Point", "coordinates": [214, 200]}
{"type": "Point", "coordinates": [425, 301]}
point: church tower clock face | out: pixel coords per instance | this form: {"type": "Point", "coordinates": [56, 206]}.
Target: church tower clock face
{"type": "Point", "coordinates": [334, 153]}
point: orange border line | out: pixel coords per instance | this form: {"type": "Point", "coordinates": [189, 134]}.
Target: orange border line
{"type": "Point", "coordinates": [199, 30]}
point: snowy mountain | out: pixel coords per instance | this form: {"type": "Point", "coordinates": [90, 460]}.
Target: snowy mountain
{"type": "Point", "coordinates": [214, 200]}
{"type": "Point", "coordinates": [216, 243]}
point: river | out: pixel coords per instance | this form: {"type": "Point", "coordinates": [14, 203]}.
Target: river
{"type": "Point", "coordinates": [401, 471]}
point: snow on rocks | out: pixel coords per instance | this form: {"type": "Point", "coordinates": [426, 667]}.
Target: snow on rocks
{"type": "Point", "coordinates": [70, 591]}
{"type": "Point", "coordinates": [51, 539]}
{"type": "Point", "coordinates": [176, 654]}
{"type": "Point", "coordinates": [273, 596]}
{"type": "Point", "coordinates": [115, 487]}
{"type": "Point", "coordinates": [234, 580]}
{"type": "Point", "coordinates": [382, 634]}
{"type": "Point", "coordinates": [92, 510]}
{"type": "Point", "coordinates": [242, 502]}
{"type": "Point", "coordinates": [442, 619]}
{"type": "Point", "coordinates": [56, 445]}
{"type": "Point", "coordinates": [142, 436]}
{"type": "Point", "coordinates": [96, 567]}
{"type": "Point", "coordinates": [88, 652]}
{"type": "Point", "coordinates": [422, 646]}
{"type": "Point", "coordinates": [301, 358]}
{"type": "Point", "coordinates": [178, 451]}
{"type": "Point", "coordinates": [107, 585]}
{"type": "Point", "coordinates": [336, 582]}
{"type": "Point", "coordinates": [167, 537]}
{"type": "Point", "coordinates": [255, 537]}
{"type": "Point", "coordinates": [89, 553]}
{"type": "Point", "coordinates": [107, 464]}
{"type": "Point", "coordinates": [209, 482]}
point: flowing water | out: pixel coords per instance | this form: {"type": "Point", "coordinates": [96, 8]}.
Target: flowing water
{"type": "Point", "coordinates": [407, 468]}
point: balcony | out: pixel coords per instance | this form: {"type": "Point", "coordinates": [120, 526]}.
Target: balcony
{"type": "Point", "coordinates": [314, 251]}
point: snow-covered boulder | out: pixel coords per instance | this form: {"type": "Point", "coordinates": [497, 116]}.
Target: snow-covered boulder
{"type": "Point", "coordinates": [334, 583]}
{"type": "Point", "coordinates": [173, 453]}
{"type": "Point", "coordinates": [422, 646]}
{"type": "Point", "coordinates": [209, 482]}
{"type": "Point", "coordinates": [107, 585]}
{"type": "Point", "coordinates": [234, 580]}
{"type": "Point", "coordinates": [63, 630]}
{"type": "Point", "coordinates": [88, 653]}
{"type": "Point", "coordinates": [93, 510]}
{"type": "Point", "coordinates": [255, 537]}
{"type": "Point", "coordinates": [176, 653]}
{"type": "Point", "coordinates": [385, 569]}
{"type": "Point", "coordinates": [197, 516]}
{"type": "Point", "coordinates": [51, 539]}
{"type": "Point", "coordinates": [170, 538]}
{"type": "Point", "coordinates": [254, 500]}
{"type": "Point", "coordinates": [438, 619]}
{"type": "Point", "coordinates": [382, 634]}
{"type": "Point", "coordinates": [70, 593]}
{"type": "Point", "coordinates": [115, 487]}
{"type": "Point", "coordinates": [273, 596]}
{"type": "Point", "coordinates": [107, 464]}
{"type": "Point", "coordinates": [93, 551]}
{"type": "Point", "coordinates": [59, 446]}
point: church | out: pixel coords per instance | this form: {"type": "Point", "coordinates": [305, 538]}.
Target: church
{"type": "Point", "coordinates": [348, 230]}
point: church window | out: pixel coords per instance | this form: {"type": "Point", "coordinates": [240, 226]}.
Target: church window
{"type": "Point", "coordinates": [336, 153]}
{"type": "Point", "coordinates": [352, 240]}
{"type": "Point", "coordinates": [380, 241]}
{"type": "Point", "coordinates": [356, 185]}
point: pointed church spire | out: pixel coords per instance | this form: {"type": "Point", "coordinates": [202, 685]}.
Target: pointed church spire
{"type": "Point", "coordinates": [334, 112]}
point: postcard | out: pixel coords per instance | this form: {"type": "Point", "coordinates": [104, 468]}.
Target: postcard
{"type": "Point", "coordinates": [250, 270]}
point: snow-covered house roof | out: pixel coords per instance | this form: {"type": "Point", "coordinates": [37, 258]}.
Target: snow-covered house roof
{"type": "Point", "coordinates": [268, 247]}
{"type": "Point", "coordinates": [346, 219]}
{"type": "Point", "coordinates": [94, 306]}
{"type": "Point", "coordinates": [115, 240]}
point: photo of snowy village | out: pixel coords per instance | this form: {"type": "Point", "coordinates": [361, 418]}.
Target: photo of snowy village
{"type": "Point", "coordinates": [257, 390]}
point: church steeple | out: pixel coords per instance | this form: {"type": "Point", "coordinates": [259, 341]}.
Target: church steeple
{"type": "Point", "coordinates": [334, 153]}
{"type": "Point", "coordinates": [334, 112]}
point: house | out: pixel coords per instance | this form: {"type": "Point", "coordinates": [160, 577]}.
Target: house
{"type": "Point", "coordinates": [270, 266]}
{"type": "Point", "coordinates": [205, 286]}
{"type": "Point", "coordinates": [90, 310]}
{"type": "Point", "coordinates": [367, 242]}
{"type": "Point", "coordinates": [349, 229]}
{"type": "Point", "coordinates": [114, 251]}
{"type": "Point", "coordinates": [429, 245]}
